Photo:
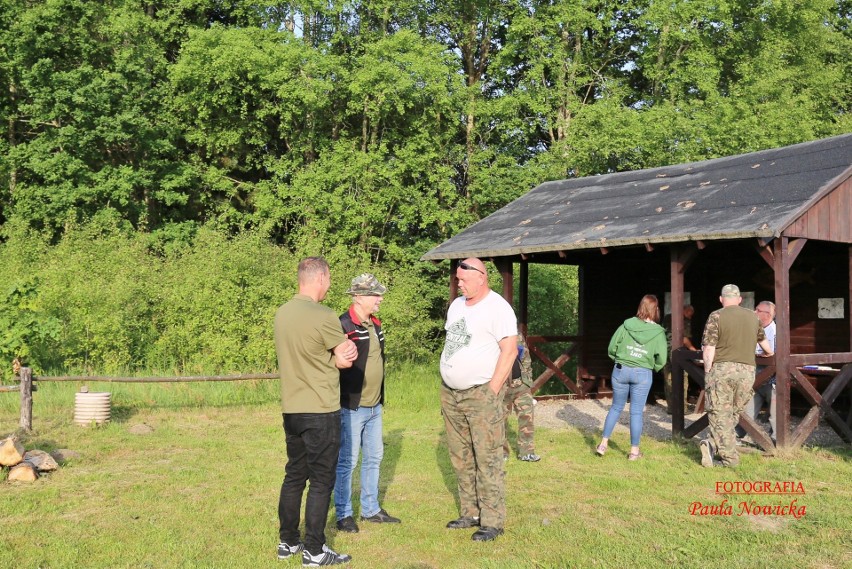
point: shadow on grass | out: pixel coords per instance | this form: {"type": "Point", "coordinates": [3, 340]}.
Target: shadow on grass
{"type": "Point", "coordinates": [393, 450]}
{"type": "Point", "coordinates": [572, 415]}
{"type": "Point", "coordinates": [511, 437]}
{"type": "Point", "coordinates": [122, 413]}
{"type": "Point", "coordinates": [448, 474]}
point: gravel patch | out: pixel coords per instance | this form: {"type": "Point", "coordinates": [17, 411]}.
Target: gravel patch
{"type": "Point", "coordinates": [588, 415]}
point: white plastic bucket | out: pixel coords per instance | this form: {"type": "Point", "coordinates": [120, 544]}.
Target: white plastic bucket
{"type": "Point", "coordinates": [92, 408]}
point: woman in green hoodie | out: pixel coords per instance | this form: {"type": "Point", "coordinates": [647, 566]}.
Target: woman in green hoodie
{"type": "Point", "coordinates": [638, 348]}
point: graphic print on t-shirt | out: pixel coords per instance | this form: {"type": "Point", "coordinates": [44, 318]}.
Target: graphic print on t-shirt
{"type": "Point", "coordinates": [457, 338]}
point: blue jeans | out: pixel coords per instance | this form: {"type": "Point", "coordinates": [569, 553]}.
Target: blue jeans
{"type": "Point", "coordinates": [360, 431]}
{"type": "Point", "coordinates": [313, 442]}
{"type": "Point", "coordinates": [635, 382]}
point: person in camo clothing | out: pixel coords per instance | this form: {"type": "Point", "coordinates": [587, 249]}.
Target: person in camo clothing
{"type": "Point", "coordinates": [479, 349]}
{"type": "Point", "coordinates": [729, 338]}
{"type": "Point", "coordinates": [520, 400]}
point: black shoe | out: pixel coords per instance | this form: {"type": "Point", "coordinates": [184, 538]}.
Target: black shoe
{"type": "Point", "coordinates": [285, 550]}
{"type": "Point", "coordinates": [347, 524]}
{"type": "Point", "coordinates": [486, 534]}
{"type": "Point", "coordinates": [463, 522]}
{"type": "Point", "coordinates": [325, 557]}
{"type": "Point", "coordinates": [381, 518]}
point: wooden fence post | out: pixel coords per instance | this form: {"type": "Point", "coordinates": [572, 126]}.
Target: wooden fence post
{"type": "Point", "coordinates": [26, 423]}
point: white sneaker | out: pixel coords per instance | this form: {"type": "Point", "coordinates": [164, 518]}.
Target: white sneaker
{"type": "Point", "coordinates": [706, 453]}
{"type": "Point", "coordinates": [327, 557]}
{"type": "Point", "coordinates": [531, 457]}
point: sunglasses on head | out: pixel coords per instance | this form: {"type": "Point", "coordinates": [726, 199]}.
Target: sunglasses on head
{"type": "Point", "coordinates": [467, 267]}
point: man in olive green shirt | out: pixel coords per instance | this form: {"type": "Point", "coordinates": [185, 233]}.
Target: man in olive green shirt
{"type": "Point", "coordinates": [311, 347]}
{"type": "Point", "coordinates": [728, 349]}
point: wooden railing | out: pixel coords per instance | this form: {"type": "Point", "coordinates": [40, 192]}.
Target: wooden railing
{"type": "Point", "coordinates": [685, 361]}
{"type": "Point", "coordinates": [583, 385]}
{"type": "Point", "coordinates": [27, 379]}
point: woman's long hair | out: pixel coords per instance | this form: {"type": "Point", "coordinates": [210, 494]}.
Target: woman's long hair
{"type": "Point", "coordinates": [649, 308]}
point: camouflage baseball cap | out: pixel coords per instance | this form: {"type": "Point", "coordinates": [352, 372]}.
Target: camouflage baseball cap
{"type": "Point", "coordinates": [366, 284]}
{"type": "Point", "coordinates": [730, 290]}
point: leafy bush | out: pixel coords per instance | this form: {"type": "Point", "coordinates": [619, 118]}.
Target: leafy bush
{"type": "Point", "coordinates": [104, 300]}
{"type": "Point", "coordinates": [216, 303]}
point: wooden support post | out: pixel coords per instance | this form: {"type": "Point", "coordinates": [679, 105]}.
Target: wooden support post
{"type": "Point", "coordinates": [506, 271]}
{"type": "Point", "coordinates": [26, 423]}
{"type": "Point", "coordinates": [783, 437]}
{"type": "Point", "coordinates": [680, 258]}
{"type": "Point", "coordinates": [677, 269]}
{"type": "Point", "coordinates": [454, 282]}
{"type": "Point", "coordinates": [523, 298]}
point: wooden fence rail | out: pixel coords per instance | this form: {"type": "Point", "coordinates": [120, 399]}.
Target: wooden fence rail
{"type": "Point", "coordinates": [112, 379]}
{"type": "Point", "coordinates": [27, 379]}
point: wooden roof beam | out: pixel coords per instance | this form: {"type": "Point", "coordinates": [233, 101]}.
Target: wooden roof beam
{"type": "Point", "coordinates": [766, 252]}
{"type": "Point", "coordinates": [794, 247]}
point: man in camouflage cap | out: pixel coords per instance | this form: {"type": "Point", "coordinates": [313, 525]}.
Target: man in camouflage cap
{"type": "Point", "coordinates": [366, 284]}
{"type": "Point", "coordinates": [362, 393]}
{"type": "Point", "coordinates": [729, 339]}
{"type": "Point", "coordinates": [519, 399]}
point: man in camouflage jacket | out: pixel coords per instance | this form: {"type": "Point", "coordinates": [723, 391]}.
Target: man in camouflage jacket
{"type": "Point", "coordinates": [728, 349]}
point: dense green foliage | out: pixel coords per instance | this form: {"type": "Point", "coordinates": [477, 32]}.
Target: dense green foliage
{"type": "Point", "coordinates": [100, 301]}
{"type": "Point", "coordinates": [166, 163]}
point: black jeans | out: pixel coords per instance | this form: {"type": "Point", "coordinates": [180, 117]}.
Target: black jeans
{"type": "Point", "coordinates": [313, 445]}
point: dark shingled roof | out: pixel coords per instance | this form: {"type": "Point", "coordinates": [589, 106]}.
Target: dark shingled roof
{"type": "Point", "coordinates": [749, 195]}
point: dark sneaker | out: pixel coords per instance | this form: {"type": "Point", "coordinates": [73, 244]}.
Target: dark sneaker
{"type": "Point", "coordinates": [706, 453]}
{"type": "Point", "coordinates": [531, 457]}
{"type": "Point", "coordinates": [285, 550]}
{"type": "Point", "coordinates": [486, 534]}
{"type": "Point", "coordinates": [463, 522]}
{"type": "Point", "coordinates": [381, 518]}
{"type": "Point", "coordinates": [347, 524]}
{"type": "Point", "coordinates": [326, 557]}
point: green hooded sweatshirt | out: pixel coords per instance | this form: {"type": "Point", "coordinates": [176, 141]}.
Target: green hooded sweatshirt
{"type": "Point", "coordinates": [637, 343]}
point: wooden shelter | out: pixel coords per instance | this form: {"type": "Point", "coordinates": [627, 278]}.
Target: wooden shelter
{"type": "Point", "coordinates": [776, 222]}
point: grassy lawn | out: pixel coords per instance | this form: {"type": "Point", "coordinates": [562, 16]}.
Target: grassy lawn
{"type": "Point", "coordinates": [201, 490]}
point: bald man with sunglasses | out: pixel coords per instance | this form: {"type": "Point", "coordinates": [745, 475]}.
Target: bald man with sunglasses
{"type": "Point", "coordinates": [480, 347]}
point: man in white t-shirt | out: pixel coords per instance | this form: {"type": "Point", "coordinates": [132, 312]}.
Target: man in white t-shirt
{"type": "Point", "coordinates": [480, 346]}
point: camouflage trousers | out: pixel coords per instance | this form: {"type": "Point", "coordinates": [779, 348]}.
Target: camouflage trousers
{"type": "Point", "coordinates": [518, 399]}
{"type": "Point", "coordinates": [728, 389]}
{"type": "Point", "coordinates": [474, 420]}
